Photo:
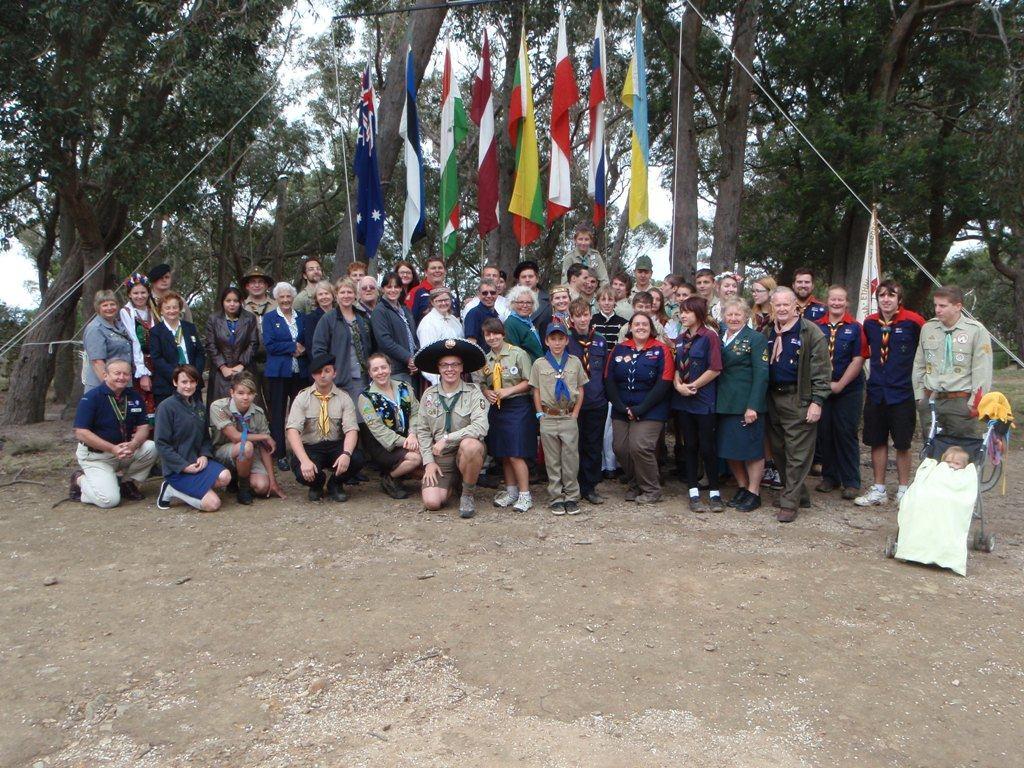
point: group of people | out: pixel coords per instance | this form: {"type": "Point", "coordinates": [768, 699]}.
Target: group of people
{"type": "Point", "coordinates": [582, 382]}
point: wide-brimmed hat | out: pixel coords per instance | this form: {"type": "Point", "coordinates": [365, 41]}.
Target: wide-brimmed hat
{"type": "Point", "coordinates": [525, 265]}
{"type": "Point", "coordinates": [257, 272]}
{"type": "Point", "coordinates": [470, 354]}
{"type": "Point", "coordinates": [644, 262]}
{"type": "Point", "coordinates": [158, 272]}
{"type": "Point", "coordinates": [320, 362]}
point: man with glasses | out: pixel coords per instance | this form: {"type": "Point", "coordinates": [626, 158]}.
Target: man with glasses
{"type": "Point", "coordinates": [366, 300]}
{"type": "Point", "coordinates": [452, 425]}
{"type": "Point", "coordinates": [501, 305]}
{"type": "Point", "coordinates": [487, 295]}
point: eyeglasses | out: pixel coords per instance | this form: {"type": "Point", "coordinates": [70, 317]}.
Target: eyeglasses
{"type": "Point", "coordinates": [488, 293]}
{"type": "Point", "coordinates": [442, 301]}
{"type": "Point", "coordinates": [449, 366]}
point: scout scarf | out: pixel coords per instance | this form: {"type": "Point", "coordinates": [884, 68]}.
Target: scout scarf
{"type": "Point", "coordinates": [883, 353]}
{"type": "Point", "coordinates": [833, 330]}
{"type": "Point", "coordinates": [448, 407]}
{"type": "Point", "coordinates": [683, 354]}
{"type": "Point", "coordinates": [243, 421]}
{"type": "Point", "coordinates": [585, 343]}
{"type": "Point", "coordinates": [525, 321]}
{"type": "Point", "coordinates": [777, 344]}
{"type": "Point", "coordinates": [561, 388]}
{"type": "Point", "coordinates": [178, 336]}
{"type": "Point", "coordinates": [394, 414]}
{"type": "Point", "coordinates": [120, 408]}
{"type": "Point", "coordinates": [323, 420]}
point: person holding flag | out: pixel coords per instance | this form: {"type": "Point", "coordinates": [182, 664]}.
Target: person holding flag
{"type": "Point", "coordinates": [525, 204]}
{"type": "Point", "coordinates": [369, 193]}
{"type": "Point", "coordinates": [634, 96]}
{"type": "Point", "coordinates": [413, 226]}
{"type": "Point", "coordinates": [481, 111]}
{"type": "Point", "coordinates": [454, 125]}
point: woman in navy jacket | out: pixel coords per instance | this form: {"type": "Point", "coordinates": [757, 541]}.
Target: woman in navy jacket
{"type": "Point", "coordinates": [287, 368]}
{"type": "Point", "coordinates": [173, 342]}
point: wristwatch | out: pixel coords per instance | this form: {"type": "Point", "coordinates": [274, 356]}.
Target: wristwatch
{"type": "Point", "coordinates": [347, 453]}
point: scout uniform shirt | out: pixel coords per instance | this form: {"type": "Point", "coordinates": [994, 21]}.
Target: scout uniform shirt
{"type": "Point", "coordinates": [260, 308]}
{"type": "Point", "coordinates": [892, 345]}
{"type": "Point", "coordinates": [304, 416]}
{"type": "Point", "coordinates": [695, 356]}
{"type": "Point", "coordinates": [813, 310]}
{"type": "Point", "coordinates": [224, 413]}
{"type": "Point", "coordinates": [545, 377]}
{"type": "Point", "coordinates": [592, 349]}
{"type": "Point", "coordinates": [845, 342]}
{"type": "Point", "coordinates": [507, 367]}
{"type": "Point", "coordinates": [592, 260]}
{"type": "Point", "coordinates": [459, 414]}
{"type": "Point", "coordinates": [637, 371]}
{"type": "Point", "coordinates": [785, 368]}
{"type": "Point", "coordinates": [957, 359]}
{"type": "Point", "coordinates": [112, 419]}
{"type": "Point", "coordinates": [389, 421]}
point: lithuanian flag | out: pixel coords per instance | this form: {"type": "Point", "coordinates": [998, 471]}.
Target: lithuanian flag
{"type": "Point", "coordinates": [527, 202]}
{"type": "Point", "coordinates": [634, 96]}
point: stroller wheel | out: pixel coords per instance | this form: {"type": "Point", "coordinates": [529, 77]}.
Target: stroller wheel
{"type": "Point", "coordinates": [984, 542]}
{"type": "Point", "coordinates": [890, 547]}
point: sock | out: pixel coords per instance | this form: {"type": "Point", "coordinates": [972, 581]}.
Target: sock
{"type": "Point", "coordinates": [902, 488]}
{"type": "Point", "coordinates": [695, 493]}
{"type": "Point", "coordinates": [714, 494]}
{"type": "Point", "coordinates": [468, 490]}
{"type": "Point", "coordinates": [526, 496]}
{"type": "Point", "coordinates": [513, 491]}
{"type": "Point", "coordinates": [192, 501]}
{"type": "Point", "coordinates": [880, 488]}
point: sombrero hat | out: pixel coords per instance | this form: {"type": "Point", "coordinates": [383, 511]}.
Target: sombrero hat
{"type": "Point", "coordinates": [470, 354]}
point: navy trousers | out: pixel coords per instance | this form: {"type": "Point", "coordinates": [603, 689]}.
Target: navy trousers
{"type": "Point", "coordinates": [591, 444]}
{"type": "Point", "coordinates": [837, 438]}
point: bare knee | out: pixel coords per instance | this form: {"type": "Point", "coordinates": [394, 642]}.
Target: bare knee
{"type": "Point", "coordinates": [223, 478]}
{"type": "Point", "coordinates": [210, 502]}
{"type": "Point", "coordinates": [259, 483]}
{"type": "Point", "coordinates": [471, 448]}
{"type": "Point", "coordinates": [246, 452]}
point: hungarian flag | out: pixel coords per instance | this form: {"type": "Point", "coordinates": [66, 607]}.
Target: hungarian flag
{"type": "Point", "coordinates": [867, 304]}
{"type": "Point", "coordinates": [634, 96]}
{"type": "Point", "coordinates": [413, 224]}
{"type": "Point", "coordinates": [596, 167]}
{"type": "Point", "coordinates": [369, 194]}
{"type": "Point", "coordinates": [564, 96]}
{"type": "Point", "coordinates": [526, 203]}
{"type": "Point", "coordinates": [481, 109]}
{"type": "Point", "coordinates": [454, 125]}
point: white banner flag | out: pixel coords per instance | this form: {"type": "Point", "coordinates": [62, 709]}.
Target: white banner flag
{"type": "Point", "coordinates": [869, 276]}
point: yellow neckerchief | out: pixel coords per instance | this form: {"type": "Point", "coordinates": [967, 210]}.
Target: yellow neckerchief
{"type": "Point", "coordinates": [323, 421]}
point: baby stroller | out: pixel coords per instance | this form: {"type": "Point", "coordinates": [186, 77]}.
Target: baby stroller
{"type": "Point", "coordinates": [986, 456]}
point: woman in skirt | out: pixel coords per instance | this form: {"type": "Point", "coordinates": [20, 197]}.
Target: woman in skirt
{"type": "Point", "coordinates": [741, 403]}
{"type": "Point", "coordinates": [512, 430]}
{"type": "Point", "coordinates": [138, 319]}
{"type": "Point", "coordinates": [183, 442]}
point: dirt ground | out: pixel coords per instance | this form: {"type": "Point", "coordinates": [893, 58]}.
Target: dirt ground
{"type": "Point", "coordinates": [373, 634]}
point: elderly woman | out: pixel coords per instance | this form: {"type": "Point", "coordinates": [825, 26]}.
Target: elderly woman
{"type": "Point", "coordinates": [105, 338]}
{"type": "Point", "coordinates": [741, 403]}
{"type": "Point", "coordinates": [438, 324]}
{"type": "Point", "coordinates": [389, 411]}
{"type": "Point", "coordinates": [173, 341]}
{"type": "Point", "coordinates": [344, 334]}
{"type": "Point", "coordinates": [232, 338]}
{"type": "Point", "coordinates": [287, 368]}
{"type": "Point", "coordinates": [519, 328]}
{"type": "Point", "coordinates": [323, 302]}
{"type": "Point", "coordinates": [138, 319]}
{"type": "Point", "coordinates": [638, 382]}
{"type": "Point", "coordinates": [393, 329]}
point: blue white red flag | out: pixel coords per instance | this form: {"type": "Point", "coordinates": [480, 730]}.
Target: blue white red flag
{"type": "Point", "coordinates": [369, 193]}
{"type": "Point", "coordinates": [596, 165]}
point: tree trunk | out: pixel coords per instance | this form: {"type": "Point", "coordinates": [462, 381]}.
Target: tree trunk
{"type": "Point", "coordinates": [732, 139]}
{"type": "Point", "coordinates": [685, 224]}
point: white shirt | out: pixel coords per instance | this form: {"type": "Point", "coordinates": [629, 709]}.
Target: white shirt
{"type": "Point", "coordinates": [435, 327]}
{"type": "Point", "coordinates": [128, 314]}
{"type": "Point", "coordinates": [293, 329]}
{"type": "Point", "coordinates": [174, 334]}
{"type": "Point", "coordinates": [501, 306]}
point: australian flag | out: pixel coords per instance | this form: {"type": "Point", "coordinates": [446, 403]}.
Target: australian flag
{"type": "Point", "coordinates": [369, 194]}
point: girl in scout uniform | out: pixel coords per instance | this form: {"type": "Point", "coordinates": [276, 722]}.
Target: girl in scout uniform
{"type": "Point", "coordinates": [512, 428]}
{"type": "Point", "coordinates": [389, 411]}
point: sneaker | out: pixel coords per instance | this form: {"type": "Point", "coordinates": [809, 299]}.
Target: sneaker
{"type": "Point", "coordinates": [773, 479]}
{"type": "Point", "coordinates": [558, 508]}
{"type": "Point", "coordinates": [467, 507]}
{"type": "Point", "coordinates": [872, 498]}
{"type": "Point", "coordinates": [750, 503]}
{"type": "Point", "coordinates": [163, 499]}
{"type": "Point", "coordinates": [130, 491]}
{"type": "Point", "coordinates": [716, 504]}
{"type": "Point", "coordinates": [572, 508]}
{"type": "Point", "coordinates": [523, 504]}
{"type": "Point", "coordinates": [900, 493]}
{"type": "Point", "coordinates": [283, 465]}
{"type": "Point", "coordinates": [697, 505]}
{"type": "Point", "coordinates": [504, 499]}
{"type": "Point", "coordinates": [393, 488]}
{"type": "Point", "coordinates": [74, 492]}
{"type": "Point", "coordinates": [648, 498]}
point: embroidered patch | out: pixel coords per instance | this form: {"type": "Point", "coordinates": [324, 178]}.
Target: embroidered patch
{"type": "Point", "coordinates": [449, 344]}
{"type": "Point", "coordinates": [961, 338]}
{"type": "Point", "coordinates": [514, 370]}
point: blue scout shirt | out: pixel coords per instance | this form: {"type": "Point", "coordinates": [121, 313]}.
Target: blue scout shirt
{"type": "Point", "coordinates": [813, 310]}
{"type": "Point", "coordinates": [592, 350]}
{"type": "Point", "coordinates": [892, 346]}
{"type": "Point", "coordinates": [637, 371]}
{"type": "Point", "coordinates": [695, 355]}
{"type": "Point", "coordinates": [98, 412]}
{"type": "Point", "coordinates": [785, 369]}
{"type": "Point", "coordinates": [472, 328]}
{"type": "Point", "coordinates": [845, 342]}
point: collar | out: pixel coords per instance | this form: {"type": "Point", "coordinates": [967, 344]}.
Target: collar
{"type": "Point", "coordinates": [375, 388]}
{"type": "Point", "coordinates": [846, 320]}
{"type": "Point", "coordinates": [631, 343]}
{"type": "Point", "coordinates": [295, 314]}
{"type": "Point", "coordinates": [425, 285]}
{"type": "Point", "coordinates": [810, 300]}
{"type": "Point", "coordinates": [957, 325]}
{"type": "Point", "coordinates": [462, 388]}
{"type": "Point", "coordinates": [334, 391]}
{"type": "Point", "coordinates": [173, 330]}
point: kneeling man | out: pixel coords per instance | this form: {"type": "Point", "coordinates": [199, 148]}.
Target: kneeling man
{"type": "Point", "coordinates": [322, 432]}
{"type": "Point", "coordinates": [452, 424]}
{"type": "Point", "coordinates": [113, 438]}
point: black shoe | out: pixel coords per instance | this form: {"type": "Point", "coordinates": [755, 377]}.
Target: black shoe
{"type": "Point", "coordinates": [244, 493]}
{"type": "Point", "coordinates": [805, 503]}
{"type": "Point", "coordinates": [750, 502]}
{"type": "Point", "coordinates": [335, 493]}
{"type": "Point", "coordinates": [593, 497]}
{"type": "Point", "coordinates": [315, 494]}
{"type": "Point", "coordinates": [608, 474]}
{"type": "Point", "coordinates": [131, 492]}
{"type": "Point", "coordinates": [74, 492]}
{"type": "Point", "coordinates": [232, 485]}
{"type": "Point", "coordinates": [283, 465]}
{"type": "Point", "coordinates": [163, 499]}
{"type": "Point", "coordinates": [393, 488]}
{"type": "Point", "coordinates": [715, 504]}
{"type": "Point", "coordinates": [572, 508]}
{"type": "Point", "coordinates": [487, 481]}
{"type": "Point", "coordinates": [737, 500]}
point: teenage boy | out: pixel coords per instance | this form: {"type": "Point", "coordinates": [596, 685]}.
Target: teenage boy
{"type": "Point", "coordinates": [528, 273]}
{"type": "Point", "coordinates": [585, 254]}
{"type": "Point", "coordinates": [592, 350]}
{"type": "Point", "coordinates": [643, 271]}
{"type": "Point", "coordinates": [621, 285]}
{"type": "Point", "coordinates": [312, 273]}
{"type": "Point", "coordinates": [578, 277]}
{"type": "Point", "coordinates": [807, 305]}
{"type": "Point", "coordinates": [892, 334]}
{"type": "Point", "coordinates": [242, 441]}
{"type": "Point", "coordinates": [704, 282]}
{"type": "Point", "coordinates": [487, 295]}
{"type": "Point", "coordinates": [558, 379]}
{"type": "Point", "coordinates": [161, 282]}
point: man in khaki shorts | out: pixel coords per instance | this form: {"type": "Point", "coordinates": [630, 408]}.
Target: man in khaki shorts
{"type": "Point", "coordinates": [953, 364]}
{"type": "Point", "coordinates": [242, 441]}
{"type": "Point", "coordinates": [452, 424]}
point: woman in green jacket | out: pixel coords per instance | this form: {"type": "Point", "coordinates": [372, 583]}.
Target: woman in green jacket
{"type": "Point", "coordinates": [519, 329]}
{"type": "Point", "coordinates": [741, 403]}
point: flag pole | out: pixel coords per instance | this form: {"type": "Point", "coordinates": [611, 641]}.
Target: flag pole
{"type": "Point", "coordinates": [344, 150]}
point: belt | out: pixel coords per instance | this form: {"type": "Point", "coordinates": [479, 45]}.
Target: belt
{"type": "Point", "coordinates": [947, 395]}
{"type": "Point", "coordinates": [555, 411]}
{"type": "Point", "coordinates": [783, 389]}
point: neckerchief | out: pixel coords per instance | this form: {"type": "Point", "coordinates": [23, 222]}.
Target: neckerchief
{"type": "Point", "coordinates": [561, 388]}
{"type": "Point", "coordinates": [242, 421]}
{"type": "Point", "coordinates": [777, 344]}
{"type": "Point", "coordinates": [525, 321]}
{"type": "Point", "coordinates": [394, 414]}
{"type": "Point", "coordinates": [323, 420]}
{"type": "Point", "coordinates": [883, 353]}
{"type": "Point", "coordinates": [947, 357]}
{"type": "Point", "coordinates": [496, 376]}
{"type": "Point", "coordinates": [683, 354]}
{"type": "Point", "coordinates": [833, 331]}
{"type": "Point", "coordinates": [178, 336]}
{"type": "Point", "coordinates": [448, 407]}
{"type": "Point", "coordinates": [357, 340]}
{"type": "Point", "coordinates": [585, 343]}
{"type": "Point", "coordinates": [120, 407]}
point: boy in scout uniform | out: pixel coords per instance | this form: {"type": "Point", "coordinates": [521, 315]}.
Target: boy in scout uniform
{"type": "Point", "coordinates": [558, 379]}
{"type": "Point", "coordinates": [452, 424]}
{"type": "Point", "coordinates": [592, 350]}
{"type": "Point", "coordinates": [585, 254]}
{"type": "Point", "coordinates": [322, 432]}
{"type": "Point", "coordinates": [953, 363]}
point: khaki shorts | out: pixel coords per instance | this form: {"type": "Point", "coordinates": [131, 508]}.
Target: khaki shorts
{"type": "Point", "coordinates": [450, 476]}
{"type": "Point", "coordinates": [223, 455]}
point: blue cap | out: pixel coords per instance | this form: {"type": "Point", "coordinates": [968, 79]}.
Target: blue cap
{"type": "Point", "coordinates": [555, 327]}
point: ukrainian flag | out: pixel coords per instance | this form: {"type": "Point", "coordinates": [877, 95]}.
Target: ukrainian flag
{"type": "Point", "coordinates": [634, 96]}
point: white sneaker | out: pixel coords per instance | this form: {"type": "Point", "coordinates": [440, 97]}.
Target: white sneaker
{"type": "Point", "coordinates": [872, 498]}
{"type": "Point", "coordinates": [504, 499]}
{"type": "Point", "coordinates": [900, 493]}
{"type": "Point", "coordinates": [523, 504]}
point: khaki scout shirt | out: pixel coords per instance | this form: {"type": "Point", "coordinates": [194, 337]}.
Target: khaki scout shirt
{"type": "Point", "coordinates": [260, 308]}
{"type": "Point", "coordinates": [469, 419]}
{"type": "Point", "coordinates": [544, 377]}
{"type": "Point", "coordinates": [515, 367]}
{"type": "Point", "coordinates": [224, 413]}
{"type": "Point", "coordinates": [972, 358]}
{"type": "Point", "coordinates": [305, 413]}
{"type": "Point", "coordinates": [305, 300]}
{"type": "Point", "coordinates": [381, 432]}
